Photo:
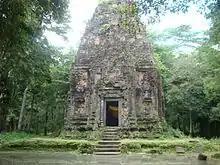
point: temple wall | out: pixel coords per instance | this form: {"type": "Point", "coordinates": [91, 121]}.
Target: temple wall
{"type": "Point", "coordinates": [113, 62]}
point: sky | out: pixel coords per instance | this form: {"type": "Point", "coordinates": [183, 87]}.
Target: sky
{"type": "Point", "coordinates": [82, 10]}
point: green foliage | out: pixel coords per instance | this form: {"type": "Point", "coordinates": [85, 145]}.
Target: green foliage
{"type": "Point", "coordinates": [216, 156]}
{"type": "Point", "coordinates": [15, 136]}
{"type": "Point", "coordinates": [87, 135]}
{"type": "Point", "coordinates": [154, 9]}
{"type": "Point", "coordinates": [130, 147]}
{"type": "Point", "coordinates": [54, 144]}
{"type": "Point", "coordinates": [167, 145]}
{"type": "Point", "coordinates": [86, 148]}
{"type": "Point", "coordinates": [168, 132]}
{"type": "Point", "coordinates": [26, 56]}
{"type": "Point", "coordinates": [214, 16]}
{"type": "Point", "coordinates": [190, 81]}
{"type": "Point", "coordinates": [160, 131]}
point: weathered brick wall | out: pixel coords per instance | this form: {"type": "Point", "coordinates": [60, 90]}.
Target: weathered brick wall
{"type": "Point", "coordinates": [114, 61]}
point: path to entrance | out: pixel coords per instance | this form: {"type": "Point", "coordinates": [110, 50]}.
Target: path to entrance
{"type": "Point", "coordinates": [63, 158]}
{"type": "Point", "coordinates": [109, 143]}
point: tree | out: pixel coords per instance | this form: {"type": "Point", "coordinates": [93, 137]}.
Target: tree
{"type": "Point", "coordinates": [185, 76]}
{"type": "Point", "coordinates": [21, 33]}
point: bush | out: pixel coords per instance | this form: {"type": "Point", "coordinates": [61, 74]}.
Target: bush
{"type": "Point", "coordinates": [86, 148]}
{"type": "Point", "coordinates": [130, 147]}
{"type": "Point", "coordinates": [216, 156]}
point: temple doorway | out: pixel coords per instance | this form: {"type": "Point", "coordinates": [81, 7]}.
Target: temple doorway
{"type": "Point", "coordinates": [112, 108]}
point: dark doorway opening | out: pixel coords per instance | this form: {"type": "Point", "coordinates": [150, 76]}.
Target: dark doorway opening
{"type": "Point", "coordinates": [112, 113]}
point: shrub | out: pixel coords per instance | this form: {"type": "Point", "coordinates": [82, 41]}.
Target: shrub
{"type": "Point", "coordinates": [86, 148]}
{"type": "Point", "coordinates": [130, 147]}
{"type": "Point", "coordinates": [216, 156]}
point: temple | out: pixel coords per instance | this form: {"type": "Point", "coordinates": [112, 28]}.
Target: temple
{"type": "Point", "coordinates": [114, 81]}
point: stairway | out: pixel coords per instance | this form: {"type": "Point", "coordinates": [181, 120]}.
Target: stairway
{"type": "Point", "coordinates": [110, 142]}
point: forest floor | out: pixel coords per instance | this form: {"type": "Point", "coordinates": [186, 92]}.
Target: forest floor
{"type": "Point", "coordinates": [22, 141]}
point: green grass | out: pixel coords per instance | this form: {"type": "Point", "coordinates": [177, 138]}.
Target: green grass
{"type": "Point", "coordinates": [15, 136]}
{"type": "Point", "coordinates": [88, 135]}
{"type": "Point", "coordinates": [24, 141]}
{"type": "Point", "coordinates": [169, 145]}
{"type": "Point", "coordinates": [49, 144]}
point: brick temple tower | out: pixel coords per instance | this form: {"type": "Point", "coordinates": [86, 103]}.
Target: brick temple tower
{"type": "Point", "coordinates": [114, 81]}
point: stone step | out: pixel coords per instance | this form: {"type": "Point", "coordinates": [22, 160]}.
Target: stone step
{"type": "Point", "coordinates": [110, 139]}
{"type": "Point", "coordinates": [112, 128]}
{"type": "Point", "coordinates": [107, 142]}
{"type": "Point", "coordinates": [110, 136]}
{"type": "Point", "coordinates": [110, 132]}
{"type": "Point", "coordinates": [107, 153]}
{"type": "Point", "coordinates": [108, 146]}
{"type": "Point", "coordinates": [107, 150]}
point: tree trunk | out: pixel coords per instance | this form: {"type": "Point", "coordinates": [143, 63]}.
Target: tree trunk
{"type": "Point", "coordinates": [22, 108]}
{"type": "Point", "coordinates": [178, 122]}
{"type": "Point", "coordinates": [46, 121]}
{"type": "Point", "coordinates": [37, 126]}
{"type": "Point", "coordinates": [31, 113]}
{"type": "Point", "coordinates": [190, 122]}
{"type": "Point", "coordinates": [5, 97]}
